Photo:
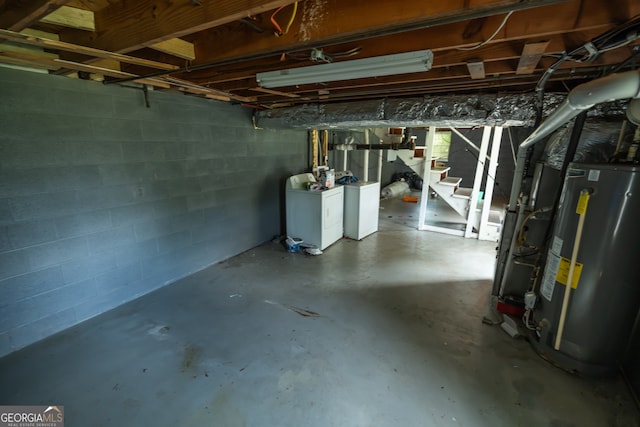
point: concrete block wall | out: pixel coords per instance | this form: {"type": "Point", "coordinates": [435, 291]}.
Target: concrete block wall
{"type": "Point", "coordinates": [103, 200]}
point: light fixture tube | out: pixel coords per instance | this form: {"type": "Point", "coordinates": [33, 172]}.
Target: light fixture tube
{"type": "Point", "coordinates": [388, 65]}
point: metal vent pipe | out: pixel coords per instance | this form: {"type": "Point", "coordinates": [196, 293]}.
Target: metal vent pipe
{"type": "Point", "coordinates": [583, 97]}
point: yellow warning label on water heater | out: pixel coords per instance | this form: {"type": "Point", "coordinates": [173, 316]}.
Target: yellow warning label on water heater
{"type": "Point", "coordinates": [563, 272]}
{"type": "Point", "coordinates": [581, 209]}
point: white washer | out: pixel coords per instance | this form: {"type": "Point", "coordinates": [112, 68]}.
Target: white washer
{"type": "Point", "coordinates": [314, 216]}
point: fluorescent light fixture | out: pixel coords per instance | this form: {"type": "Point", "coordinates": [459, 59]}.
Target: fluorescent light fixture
{"type": "Point", "coordinates": [401, 63]}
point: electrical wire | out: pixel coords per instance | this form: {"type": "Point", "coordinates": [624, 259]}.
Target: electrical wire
{"type": "Point", "coordinates": [279, 31]}
{"type": "Point", "coordinates": [526, 320]}
{"type": "Point", "coordinates": [346, 54]}
{"type": "Point", "coordinates": [534, 285]}
{"type": "Point", "coordinates": [495, 33]}
{"type": "Point", "coordinates": [526, 264]}
{"type": "Point", "coordinates": [520, 241]}
{"type": "Point", "coordinates": [630, 60]}
{"type": "Point", "coordinates": [251, 24]}
{"type": "Point", "coordinates": [589, 52]}
{"type": "Point", "coordinates": [293, 17]}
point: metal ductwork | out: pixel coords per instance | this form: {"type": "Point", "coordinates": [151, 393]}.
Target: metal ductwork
{"type": "Point", "coordinates": [607, 89]}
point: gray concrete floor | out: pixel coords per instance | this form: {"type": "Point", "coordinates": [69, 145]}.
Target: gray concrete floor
{"type": "Point", "coordinates": [382, 332]}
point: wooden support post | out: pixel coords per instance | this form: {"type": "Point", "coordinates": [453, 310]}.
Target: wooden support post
{"type": "Point", "coordinates": [314, 152]}
{"type": "Point", "coordinates": [325, 147]}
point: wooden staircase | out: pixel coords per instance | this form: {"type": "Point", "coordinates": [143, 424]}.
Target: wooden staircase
{"type": "Point", "coordinates": [447, 188]}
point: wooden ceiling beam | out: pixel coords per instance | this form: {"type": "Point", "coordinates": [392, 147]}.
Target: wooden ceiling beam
{"type": "Point", "coordinates": [24, 59]}
{"type": "Point", "coordinates": [13, 60]}
{"type": "Point", "coordinates": [82, 50]}
{"type": "Point", "coordinates": [274, 92]}
{"type": "Point", "coordinates": [510, 49]}
{"type": "Point", "coordinates": [494, 71]}
{"type": "Point", "coordinates": [442, 60]}
{"type": "Point", "coordinates": [176, 47]}
{"type": "Point", "coordinates": [54, 64]}
{"type": "Point", "coordinates": [71, 17]}
{"type": "Point", "coordinates": [16, 15]}
{"type": "Point", "coordinates": [338, 27]}
{"type": "Point", "coordinates": [129, 25]}
{"type": "Point", "coordinates": [455, 78]}
{"type": "Point", "coordinates": [201, 90]}
{"type": "Point", "coordinates": [433, 87]}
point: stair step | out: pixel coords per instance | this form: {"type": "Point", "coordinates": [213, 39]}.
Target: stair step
{"type": "Point", "coordinates": [451, 181]}
{"type": "Point", "coordinates": [439, 173]}
{"type": "Point", "coordinates": [494, 218]}
{"type": "Point", "coordinates": [462, 193]}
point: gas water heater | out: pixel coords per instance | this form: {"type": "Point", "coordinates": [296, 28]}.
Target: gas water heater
{"type": "Point", "coordinates": [605, 295]}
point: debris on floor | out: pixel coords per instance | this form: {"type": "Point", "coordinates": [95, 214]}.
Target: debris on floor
{"type": "Point", "coordinates": [301, 311]}
{"type": "Point", "coordinates": [510, 327]}
{"type": "Point", "coordinates": [293, 244]}
{"type": "Point", "coordinates": [410, 199]}
{"type": "Point", "coordinates": [313, 251]}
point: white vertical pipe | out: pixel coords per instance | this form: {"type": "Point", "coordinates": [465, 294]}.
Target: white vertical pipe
{"type": "Point", "coordinates": [491, 175]}
{"type": "Point", "coordinates": [380, 154]}
{"type": "Point", "coordinates": [426, 176]}
{"type": "Point", "coordinates": [344, 159]}
{"type": "Point", "coordinates": [365, 165]}
{"type": "Point", "coordinates": [477, 181]}
{"type": "Point", "coordinates": [365, 175]}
